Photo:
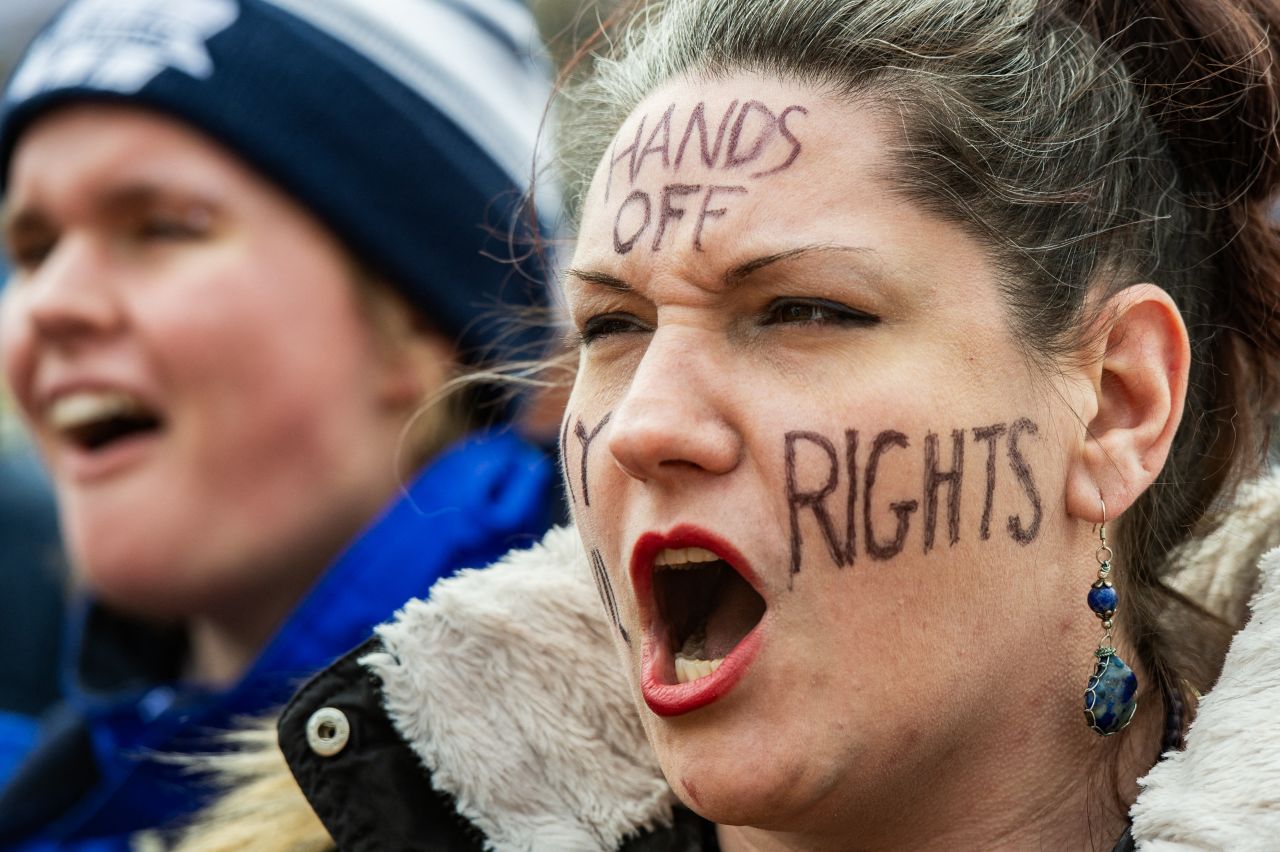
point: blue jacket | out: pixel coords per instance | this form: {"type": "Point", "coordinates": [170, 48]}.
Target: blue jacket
{"type": "Point", "coordinates": [88, 781]}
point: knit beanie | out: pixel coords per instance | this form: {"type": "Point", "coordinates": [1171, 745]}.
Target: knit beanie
{"type": "Point", "coordinates": [408, 126]}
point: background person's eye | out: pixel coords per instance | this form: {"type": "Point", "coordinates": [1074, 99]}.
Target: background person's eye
{"type": "Point", "coordinates": [795, 311]}
{"type": "Point", "coordinates": [28, 253]}
{"type": "Point", "coordinates": [608, 325]}
{"type": "Point", "coordinates": [176, 228]}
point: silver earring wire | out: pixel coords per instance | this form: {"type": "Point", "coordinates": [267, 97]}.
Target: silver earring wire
{"type": "Point", "coordinates": [1111, 693]}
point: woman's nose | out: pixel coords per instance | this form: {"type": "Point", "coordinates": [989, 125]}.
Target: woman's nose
{"type": "Point", "coordinates": [671, 421]}
{"type": "Point", "coordinates": [68, 296]}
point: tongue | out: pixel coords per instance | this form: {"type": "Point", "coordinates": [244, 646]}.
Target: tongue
{"type": "Point", "coordinates": [738, 610]}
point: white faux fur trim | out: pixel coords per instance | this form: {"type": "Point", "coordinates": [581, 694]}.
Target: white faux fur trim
{"type": "Point", "coordinates": [506, 684]}
{"type": "Point", "coordinates": [1223, 792]}
{"type": "Point", "coordinates": [1218, 570]}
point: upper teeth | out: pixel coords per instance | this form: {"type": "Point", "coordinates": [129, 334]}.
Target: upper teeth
{"type": "Point", "coordinates": [84, 407]}
{"type": "Point", "coordinates": [678, 556]}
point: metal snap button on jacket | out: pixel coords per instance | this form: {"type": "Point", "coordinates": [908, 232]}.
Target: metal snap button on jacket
{"type": "Point", "coordinates": [328, 731]}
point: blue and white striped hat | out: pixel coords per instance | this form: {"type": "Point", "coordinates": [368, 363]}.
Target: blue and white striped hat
{"type": "Point", "coordinates": [409, 126]}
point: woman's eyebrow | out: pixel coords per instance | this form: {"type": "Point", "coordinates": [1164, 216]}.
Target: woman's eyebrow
{"type": "Point", "coordinates": [126, 199]}
{"type": "Point", "coordinates": [603, 279]}
{"type": "Point", "coordinates": [731, 278]}
{"type": "Point", "coordinates": [137, 196]}
{"type": "Point", "coordinates": [744, 270]}
{"type": "Point", "coordinates": [18, 220]}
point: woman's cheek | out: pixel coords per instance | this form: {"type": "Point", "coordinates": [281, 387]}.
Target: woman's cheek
{"type": "Point", "coordinates": [580, 453]}
{"type": "Point", "coordinates": [858, 494]}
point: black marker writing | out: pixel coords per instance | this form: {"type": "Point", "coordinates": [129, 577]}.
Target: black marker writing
{"type": "Point", "coordinates": [620, 245]}
{"type": "Point", "coordinates": [934, 478]}
{"type": "Point", "coordinates": [990, 434]}
{"type": "Point", "coordinates": [627, 153]}
{"type": "Point", "coordinates": [605, 590]}
{"type": "Point", "coordinates": [698, 117]}
{"type": "Point", "coordinates": [585, 438]}
{"type": "Point", "coordinates": [814, 496]}
{"type": "Point", "coordinates": [564, 459]}
{"type": "Point", "coordinates": [667, 212]}
{"type": "Point", "coordinates": [635, 214]}
{"type": "Point", "coordinates": [664, 148]}
{"type": "Point", "coordinates": [814, 500]}
{"type": "Point", "coordinates": [732, 157]}
{"type": "Point", "coordinates": [746, 134]}
{"type": "Point", "coordinates": [709, 212]}
{"type": "Point", "coordinates": [903, 508]}
{"type": "Point", "coordinates": [790, 137]}
{"type": "Point", "coordinates": [1021, 534]}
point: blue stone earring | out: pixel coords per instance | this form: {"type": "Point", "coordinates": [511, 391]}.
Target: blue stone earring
{"type": "Point", "coordinates": [1111, 695]}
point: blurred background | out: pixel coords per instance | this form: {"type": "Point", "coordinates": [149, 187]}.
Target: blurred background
{"type": "Point", "coordinates": [33, 572]}
{"type": "Point", "coordinates": [32, 569]}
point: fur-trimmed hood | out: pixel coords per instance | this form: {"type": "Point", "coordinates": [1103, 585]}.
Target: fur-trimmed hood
{"type": "Point", "coordinates": [560, 761]}
{"type": "Point", "coordinates": [507, 686]}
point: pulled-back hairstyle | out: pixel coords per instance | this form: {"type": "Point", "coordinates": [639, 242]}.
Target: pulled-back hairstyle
{"type": "Point", "coordinates": [1090, 145]}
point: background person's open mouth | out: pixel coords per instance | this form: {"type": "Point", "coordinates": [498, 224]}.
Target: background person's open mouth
{"type": "Point", "coordinates": [93, 421]}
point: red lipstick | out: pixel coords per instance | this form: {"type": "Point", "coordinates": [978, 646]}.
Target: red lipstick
{"type": "Point", "coordinates": [662, 693]}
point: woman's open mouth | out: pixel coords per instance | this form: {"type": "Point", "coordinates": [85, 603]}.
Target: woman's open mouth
{"type": "Point", "coordinates": [99, 427]}
{"type": "Point", "coordinates": [703, 611]}
{"type": "Point", "coordinates": [95, 420]}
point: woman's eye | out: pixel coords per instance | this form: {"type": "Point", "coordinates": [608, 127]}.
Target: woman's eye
{"type": "Point", "coordinates": [170, 228]}
{"type": "Point", "coordinates": [814, 312]}
{"type": "Point", "coordinates": [29, 254]}
{"type": "Point", "coordinates": [607, 325]}
{"type": "Point", "coordinates": [192, 222]}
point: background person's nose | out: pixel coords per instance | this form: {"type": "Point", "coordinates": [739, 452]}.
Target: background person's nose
{"type": "Point", "coordinates": [68, 295]}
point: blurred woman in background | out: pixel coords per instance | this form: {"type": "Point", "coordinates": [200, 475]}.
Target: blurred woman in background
{"type": "Point", "coordinates": [250, 238]}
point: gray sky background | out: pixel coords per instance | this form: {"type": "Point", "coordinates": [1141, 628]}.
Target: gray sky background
{"type": "Point", "coordinates": [19, 20]}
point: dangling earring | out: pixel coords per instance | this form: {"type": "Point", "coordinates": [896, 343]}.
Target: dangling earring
{"type": "Point", "coordinates": [1111, 695]}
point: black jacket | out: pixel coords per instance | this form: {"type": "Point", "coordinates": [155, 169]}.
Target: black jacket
{"type": "Point", "coordinates": [374, 795]}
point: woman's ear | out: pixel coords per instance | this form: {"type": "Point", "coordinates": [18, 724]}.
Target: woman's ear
{"type": "Point", "coordinates": [421, 366]}
{"type": "Point", "coordinates": [416, 360]}
{"type": "Point", "coordinates": [1139, 383]}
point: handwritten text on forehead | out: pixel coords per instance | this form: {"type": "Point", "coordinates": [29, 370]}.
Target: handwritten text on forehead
{"type": "Point", "coordinates": [747, 142]}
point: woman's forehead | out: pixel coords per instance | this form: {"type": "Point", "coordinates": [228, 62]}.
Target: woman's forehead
{"type": "Point", "coordinates": [707, 176]}
{"type": "Point", "coordinates": [97, 152]}
{"type": "Point", "coordinates": [707, 163]}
